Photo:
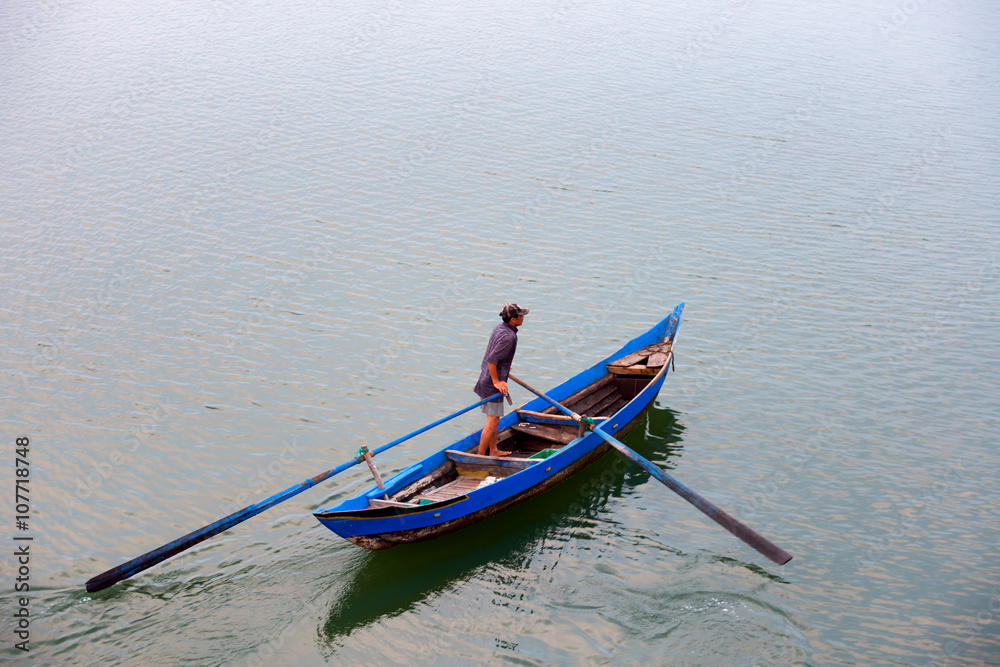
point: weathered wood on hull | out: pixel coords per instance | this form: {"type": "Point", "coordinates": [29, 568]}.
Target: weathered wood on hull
{"type": "Point", "coordinates": [631, 359]}
{"type": "Point", "coordinates": [382, 541]}
{"type": "Point", "coordinates": [424, 482]}
{"type": "Point", "coordinates": [656, 360]}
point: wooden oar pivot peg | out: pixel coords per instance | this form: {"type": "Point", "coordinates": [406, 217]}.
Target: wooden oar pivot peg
{"type": "Point", "coordinates": [366, 454]}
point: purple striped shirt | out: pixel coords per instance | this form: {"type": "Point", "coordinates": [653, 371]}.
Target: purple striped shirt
{"type": "Point", "coordinates": [499, 351]}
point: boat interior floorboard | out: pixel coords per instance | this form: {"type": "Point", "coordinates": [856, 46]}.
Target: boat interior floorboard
{"type": "Point", "coordinates": [605, 405]}
{"type": "Point", "coordinates": [457, 487]}
{"type": "Point", "coordinates": [595, 399]}
{"type": "Point", "coordinates": [573, 401]}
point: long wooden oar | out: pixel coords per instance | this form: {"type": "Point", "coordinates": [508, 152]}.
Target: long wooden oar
{"type": "Point", "coordinates": [740, 530]}
{"type": "Point", "coordinates": [148, 560]}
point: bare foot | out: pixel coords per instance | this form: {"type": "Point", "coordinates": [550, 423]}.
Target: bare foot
{"type": "Point", "coordinates": [501, 452]}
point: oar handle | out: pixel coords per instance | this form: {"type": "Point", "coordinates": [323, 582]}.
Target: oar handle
{"type": "Point", "coordinates": [160, 554]}
{"type": "Point", "coordinates": [727, 521]}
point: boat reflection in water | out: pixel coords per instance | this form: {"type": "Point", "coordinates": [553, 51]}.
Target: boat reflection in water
{"type": "Point", "coordinates": [384, 584]}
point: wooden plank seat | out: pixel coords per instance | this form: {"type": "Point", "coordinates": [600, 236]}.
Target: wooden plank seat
{"type": "Point", "coordinates": [476, 465]}
{"type": "Point", "coordinates": [543, 418]}
{"type": "Point", "coordinates": [556, 420]}
{"type": "Point", "coordinates": [556, 434]}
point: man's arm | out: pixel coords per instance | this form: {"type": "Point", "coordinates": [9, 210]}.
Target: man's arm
{"type": "Point", "coordinates": [500, 385]}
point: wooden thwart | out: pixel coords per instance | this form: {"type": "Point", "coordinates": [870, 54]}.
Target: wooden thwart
{"type": "Point", "coordinates": [555, 434]}
{"type": "Point", "coordinates": [542, 418]}
{"type": "Point", "coordinates": [479, 466]}
{"type": "Point", "coordinates": [541, 415]}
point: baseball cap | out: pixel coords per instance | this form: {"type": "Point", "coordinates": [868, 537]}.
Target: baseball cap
{"type": "Point", "coordinates": [512, 310]}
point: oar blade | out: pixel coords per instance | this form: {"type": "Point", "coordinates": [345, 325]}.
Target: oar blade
{"type": "Point", "coordinates": [160, 554]}
{"type": "Point", "coordinates": [740, 530]}
{"type": "Point", "coordinates": [171, 549]}
{"type": "Point", "coordinates": [712, 511]}
{"type": "Point", "coordinates": [148, 560]}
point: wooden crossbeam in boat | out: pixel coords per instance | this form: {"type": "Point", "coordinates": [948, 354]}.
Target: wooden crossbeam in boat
{"type": "Point", "coordinates": [541, 417]}
{"type": "Point", "coordinates": [476, 465]}
{"type": "Point", "coordinates": [562, 436]}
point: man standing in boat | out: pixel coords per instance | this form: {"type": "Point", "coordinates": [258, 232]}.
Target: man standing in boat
{"type": "Point", "coordinates": [493, 374]}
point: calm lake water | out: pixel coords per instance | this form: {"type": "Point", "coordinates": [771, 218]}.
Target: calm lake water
{"type": "Point", "coordinates": [241, 240]}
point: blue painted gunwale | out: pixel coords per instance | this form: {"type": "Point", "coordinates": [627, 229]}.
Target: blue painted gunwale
{"type": "Point", "coordinates": [353, 518]}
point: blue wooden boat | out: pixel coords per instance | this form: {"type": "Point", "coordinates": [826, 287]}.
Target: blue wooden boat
{"type": "Point", "coordinates": [455, 487]}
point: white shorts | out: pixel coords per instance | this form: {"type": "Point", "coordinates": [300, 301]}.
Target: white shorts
{"type": "Point", "coordinates": [494, 408]}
